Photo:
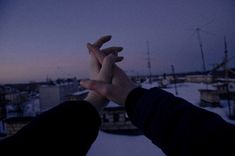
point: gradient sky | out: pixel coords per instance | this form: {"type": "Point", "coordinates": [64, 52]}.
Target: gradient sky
{"type": "Point", "coordinates": [40, 38]}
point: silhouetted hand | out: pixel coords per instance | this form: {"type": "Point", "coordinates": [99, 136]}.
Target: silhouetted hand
{"type": "Point", "coordinates": [96, 70]}
{"type": "Point", "coordinates": [120, 86]}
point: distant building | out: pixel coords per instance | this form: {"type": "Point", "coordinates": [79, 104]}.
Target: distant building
{"type": "Point", "coordinates": [14, 124]}
{"type": "Point", "coordinates": [224, 89]}
{"type": "Point", "coordinates": [227, 92]}
{"type": "Point", "coordinates": [209, 98]}
{"type": "Point", "coordinates": [2, 103]}
{"type": "Point", "coordinates": [12, 97]}
{"type": "Point", "coordinates": [52, 95]}
{"type": "Point", "coordinates": [116, 121]}
{"type": "Point", "coordinates": [199, 78]}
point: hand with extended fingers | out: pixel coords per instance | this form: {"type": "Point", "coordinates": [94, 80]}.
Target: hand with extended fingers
{"type": "Point", "coordinates": [107, 79]}
{"type": "Point", "coordinates": [101, 72]}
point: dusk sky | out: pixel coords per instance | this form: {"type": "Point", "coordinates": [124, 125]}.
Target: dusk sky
{"type": "Point", "coordinates": [40, 38]}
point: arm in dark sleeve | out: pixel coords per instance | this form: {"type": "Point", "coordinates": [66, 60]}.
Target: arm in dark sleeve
{"type": "Point", "coordinates": [71, 127]}
{"type": "Point", "coordinates": [178, 127]}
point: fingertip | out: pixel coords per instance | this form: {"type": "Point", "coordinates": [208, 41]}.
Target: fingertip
{"type": "Point", "coordinates": [106, 38]}
{"type": "Point", "coordinates": [89, 45]}
{"type": "Point", "coordinates": [121, 48]}
{"type": "Point", "coordinates": [114, 58]}
{"type": "Point", "coordinates": [118, 59]}
{"type": "Point", "coordinates": [109, 36]}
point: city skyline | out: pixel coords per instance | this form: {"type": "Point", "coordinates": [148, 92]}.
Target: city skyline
{"type": "Point", "coordinates": [42, 39]}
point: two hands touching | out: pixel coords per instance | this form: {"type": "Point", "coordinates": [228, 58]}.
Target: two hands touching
{"type": "Point", "coordinates": [107, 80]}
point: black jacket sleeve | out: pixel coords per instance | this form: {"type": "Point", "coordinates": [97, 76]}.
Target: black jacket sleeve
{"type": "Point", "coordinates": [70, 127]}
{"type": "Point", "coordinates": [178, 127]}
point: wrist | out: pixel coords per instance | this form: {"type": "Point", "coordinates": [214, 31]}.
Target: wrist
{"type": "Point", "coordinates": [96, 100]}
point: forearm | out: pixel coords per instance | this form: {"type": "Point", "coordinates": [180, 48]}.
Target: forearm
{"type": "Point", "coordinates": [175, 125]}
{"type": "Point", "coordinates": [73, 126]}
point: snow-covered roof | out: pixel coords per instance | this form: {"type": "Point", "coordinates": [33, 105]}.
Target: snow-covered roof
{"type": "Point", "coordinates": [116, 145]}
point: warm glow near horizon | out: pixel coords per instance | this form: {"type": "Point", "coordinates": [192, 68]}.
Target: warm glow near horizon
{"type": "Point", "coordinates": [42, 39]}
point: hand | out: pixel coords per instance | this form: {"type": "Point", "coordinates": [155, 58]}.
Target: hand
{"type": "Point", "coordinates": [116, 91]}
{"type": "Point", "coordinates": [96, 71]}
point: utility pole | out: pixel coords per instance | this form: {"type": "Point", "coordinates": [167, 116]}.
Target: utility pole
{"type": "Point", "coordinates": [226, 76]}
{"type": "Point", "coordinates": [149, 63]}
{"type": "Point", "coordinates": [174, 77]}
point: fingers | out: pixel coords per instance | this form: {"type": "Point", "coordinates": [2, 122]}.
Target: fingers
{"type": "Point", "coordinates": [100, 56]}
{"type": "Point", "coordinates": [106, 71]}
{"type": "Point", "coordinates": [119, 58]}
{"type": "Point", "coordinates": [101, 88]}
{"type": "Point", "coordinates": [110, 50]}
{"type": "Point", "coordinates": [102, 40]}
{"type": "Point", "coordinates": [94, 66]}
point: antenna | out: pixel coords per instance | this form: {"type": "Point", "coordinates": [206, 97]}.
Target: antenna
{"type": "Point", "coordinates": [225, 58]}
{"type": "Point", "coordinates": [198, 30]}
{"type": "Point", "coordinates": [149, 62]}
{"type": "Point", "coordinates": [224, 63]}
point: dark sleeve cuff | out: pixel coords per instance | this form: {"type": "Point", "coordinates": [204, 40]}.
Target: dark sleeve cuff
{"type": "Point", "coordinates": [132, 99]}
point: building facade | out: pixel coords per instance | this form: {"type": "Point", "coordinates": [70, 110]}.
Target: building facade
{"type": "Point", "coordinates": [53, 95]}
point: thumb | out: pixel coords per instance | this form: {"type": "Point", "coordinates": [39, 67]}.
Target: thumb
{"type": "Point", "coordinates": [101, 88]}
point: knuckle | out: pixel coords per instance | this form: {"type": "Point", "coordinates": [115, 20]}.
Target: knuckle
{"type": "Point", "coordinates": [105, 91]}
